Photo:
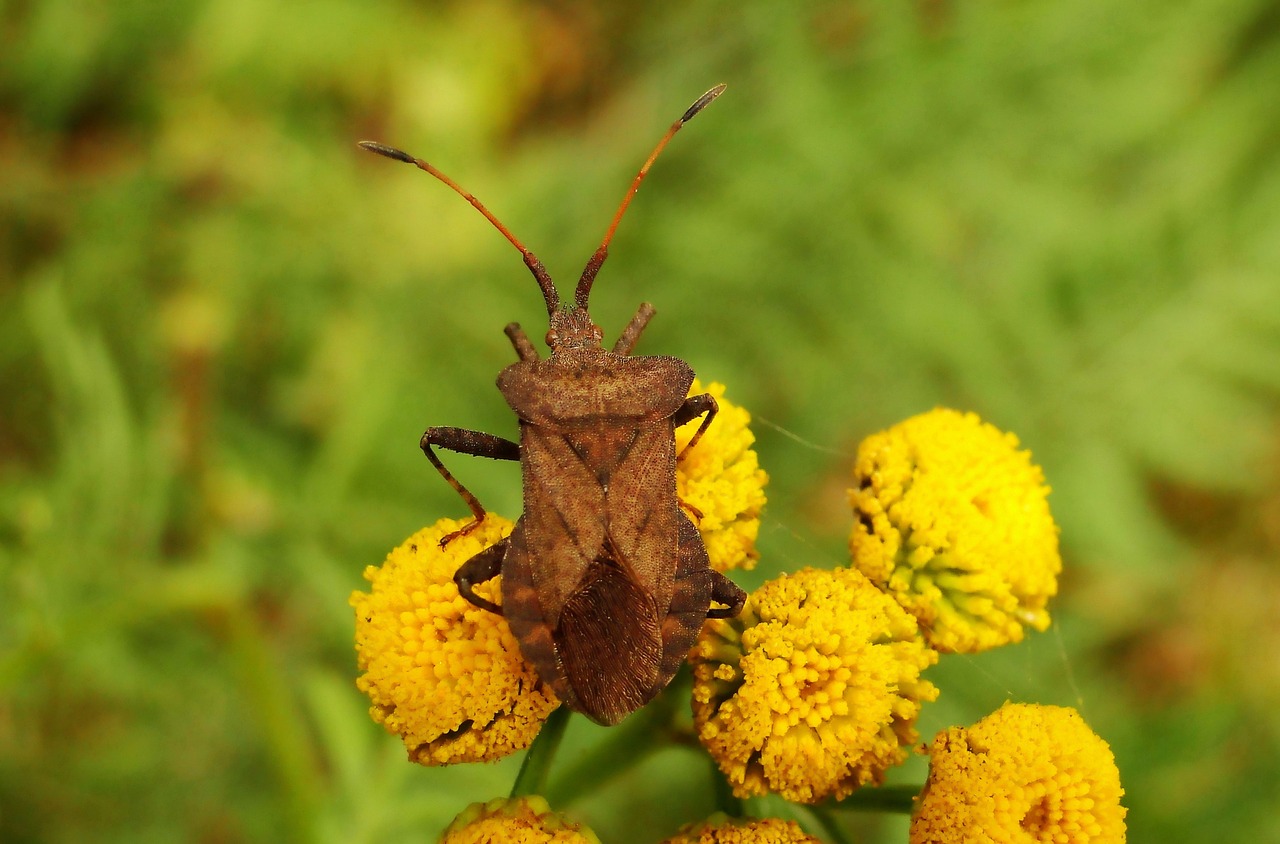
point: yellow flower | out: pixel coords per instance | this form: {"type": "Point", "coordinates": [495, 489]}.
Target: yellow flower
{"type": "Point", "coordinates": [953, 521]}
{"type": "Point", "coordinates": [813, 690]}
{"type": "Point", "coordinates": [444, 675]}
{"type": "Point", "coordinates": [518, 820]}
{"type": "Point", "coordinates": [1024, 773]}
{"type": "Point", "coordinates": [722, 479]}
{"type": "Point", "coordinates": [721, 829]}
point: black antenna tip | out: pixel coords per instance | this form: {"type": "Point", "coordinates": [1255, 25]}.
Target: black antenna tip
{"type": "Point", "coordinates": [389, 152]}
{"type": "Point", "coordinates": [703, 102]}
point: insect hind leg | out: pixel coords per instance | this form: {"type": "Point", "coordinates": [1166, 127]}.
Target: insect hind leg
{"type": "Point", "coordinates": [725, 591]}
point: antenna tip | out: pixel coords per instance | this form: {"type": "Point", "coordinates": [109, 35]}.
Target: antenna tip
{"type": "Point", "coordinates": [384, 150]}
{"type": "Point", "coordinates": [702, 102]}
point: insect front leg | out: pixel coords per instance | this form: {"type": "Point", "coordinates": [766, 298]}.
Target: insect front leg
{"type": "Point", "coordinates": [630, 334]}
{"type": "Point", "coordinates": [483, 567]}
{"type": "Point", "coordinates": [520, 340]}
{"type": "Point", "coordinates": [693, 407]}
{"type": "Point", "coordinates": [476, 444]}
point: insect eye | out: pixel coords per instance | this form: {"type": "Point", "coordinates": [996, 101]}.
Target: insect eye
{"type": "Point", "coordinates": [552, 337]}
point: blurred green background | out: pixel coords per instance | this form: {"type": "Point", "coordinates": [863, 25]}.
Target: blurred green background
{"type": "Point", "coordinates": [223, 329]}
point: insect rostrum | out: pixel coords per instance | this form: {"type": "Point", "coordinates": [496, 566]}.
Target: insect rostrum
{"type": "Point", "coordinates": [605, 580]}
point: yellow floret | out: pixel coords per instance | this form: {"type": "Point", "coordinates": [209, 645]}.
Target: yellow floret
{"type": "Point", "coordinates": [443, 674]}
{"type": "Point", "coordinates": [813, 690]}
{"type": "Point", "coordinates": [721, 829]}
{"type": "Point", "coordinates": [1024, 773]}
{"type": "Point", "coordinates": [953, 520]}
{"type": "Point", "coordinates": [721, 478]}
{"type": "Point", "coordinates": [517, 820]}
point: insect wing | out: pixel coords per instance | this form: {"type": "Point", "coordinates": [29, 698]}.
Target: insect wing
{"type": "Point", "coordinates": [563, 515]}
{"type": "Point", "coordinates": [599, 658]}
{"type": "Point", "coordinates": [641, 511]}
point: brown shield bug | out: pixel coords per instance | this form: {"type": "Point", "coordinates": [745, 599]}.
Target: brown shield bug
{"type": "Point", "coordinates": [605, 580]}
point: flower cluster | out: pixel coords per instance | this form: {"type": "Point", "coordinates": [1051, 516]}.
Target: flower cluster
{"type": "Point", "coordinates": [721, 829]}
{"type": "Point", "coordinates": [443, 674]}
{"type": "Point", "coordinates": [952, 519]}
{"type": "Point", "coordinates": [1023, 773]}
{"type": "Point", "coordinates": [813, 690]}
{"type": "Point", "coordinates": [518, 820]}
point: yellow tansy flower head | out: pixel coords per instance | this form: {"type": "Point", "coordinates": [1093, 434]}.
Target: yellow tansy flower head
{"type": "Point", "coordinates": [1024, 773]}
{"type": "Point", "coordinates": [444, 675]}
{"type": "Point", "coordinates": [721, 829]}
{"type": "Point", "coordinates": [518, 820]}
{"type": "Point", "coordinates": [953, 521]}
{"type": "Point", "coordinates": [722, 479]}
{"type": "Point", "coordinates": [813, 690]}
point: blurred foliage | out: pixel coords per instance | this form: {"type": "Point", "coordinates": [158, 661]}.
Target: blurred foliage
{"type": "Point", "coordinates": [222, 330]}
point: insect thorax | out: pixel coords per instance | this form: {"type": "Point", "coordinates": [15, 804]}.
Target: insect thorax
{"type": "Point", "coordinates": [585, 386]}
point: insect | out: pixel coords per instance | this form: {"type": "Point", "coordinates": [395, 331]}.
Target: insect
{"type": "Point", "coordinates": [605, 580]}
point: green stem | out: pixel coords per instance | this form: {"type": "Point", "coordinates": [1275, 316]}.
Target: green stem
{"type": "Point", "coordinates": [891, 798]}
{"type": "Point", "coordinates": [830, 826]}
{"type": "Point", "coordinates": [532, 778]}
{"type": "Point", "coordinates": [626, 746]}
{"type": "Point", "coordinates": [726, 800]}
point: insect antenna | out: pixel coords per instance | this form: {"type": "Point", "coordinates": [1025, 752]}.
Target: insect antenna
{"type": "Point", "coordinates": [583, 291]}
{"type": "Point", "coordinates": [531, 261]}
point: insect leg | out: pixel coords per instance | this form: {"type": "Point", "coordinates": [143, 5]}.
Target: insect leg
{"type": "Point", "coordinates": [630, 334]}
{"type": "Point", "coordinates": [466, 442]}
{"type": "Point", "coordinates": [520, 340]}
{"type": "Point", "coordinates": [693, 407]}
{"type": "Point", "coordinates": [725, 591]}
{"type": "Point", "coordinates": [482, 567]}
{"type": "Point", "coordinates": [693, 511]}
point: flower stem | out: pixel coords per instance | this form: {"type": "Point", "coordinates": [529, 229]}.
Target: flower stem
{"type": "Point", "coordinates": [726, 800]}
{"type": "Point", "coordinates": [830, 826]}
{"type": "Point", "coordinates": [532, 778]}
{"type": "Point", "coordinates": [891, 798]}
{"type": "Point", "coordinates": [626, 745]}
